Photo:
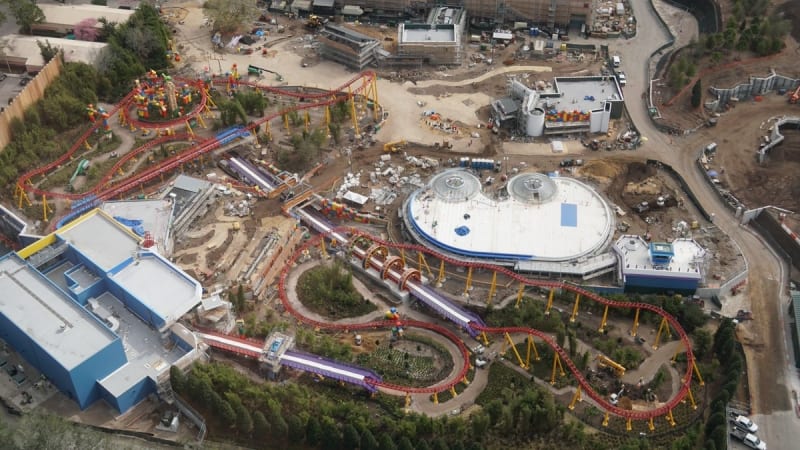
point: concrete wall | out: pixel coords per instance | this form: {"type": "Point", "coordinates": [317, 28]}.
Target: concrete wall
{"type": "Point", "coordinates": [755, 86]}
{"type": "Point", "coordinates": [131, 397]}
{"type": "Point", "coordinates": [31, 94]}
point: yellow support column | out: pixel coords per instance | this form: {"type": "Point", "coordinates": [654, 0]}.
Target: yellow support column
{"type": "Point", "coordinates": [403, 256]}
{"type": "Point", "coordinates": [651, 425]}
{"type": "Point", "coordinates": [435, 398]}
{"type": "Point", "coordinates": [691, 398]}
{"type": "Point", "coordinates": [575, 308]}
{"type": "Point", "coordinates": [307, 120]}
{"type": "Point", "coordinates": [549, 302]}
{"type": "Point", "coordinates": [267, 131]}
{"type": "Point", "coordinates": [353, 112]}
{"type": "Point", "coordinates": [576, 398]}
{"type": "Point", "coordinates": [519, 295]}
{"type": "Point", "coordinates": [492, 288]}
{"type": "Point", "coordinates": [327, 115]}
{"type": "Point", "coordinates": [286, 121]}
{"type": "Point", "coordinates": [605, 419]}
{"type": "Point", "coordinates": [516, 352]}
{"type": "Point", "coordinates": [201, 122]}
{"type": "Point", "coordinates": [532, 347]}
{"type": "Point", "coordinates": [697, 372]}
{"type": "Point", "coordinates": [628, 425]}
{"type": "Point", "coordinates": [44, 207]}
{"type": "Point", "coordinates": [441, 278]}
{"type": "Point", "coordinates": [422, 262]}
{"type": "Point", "coordinates": [373, 89]}
{"type": "Point", "coordinates": [635, 328]}
{"type": "Point", "coordinates": [465, 381]}
{"type": "Point", "coordinates": [678, 351]}
{"type": "Point", "coordinates": [468, 286]}
{"type": "Point", "coordinates": [189, 129]}
{"type": "Point", "coordinates": [322, 249]}
{"type": "Point", "coordinates": [670, 418]}
{"type": "Point", "coordinates": [661, 328]}
{"type": "Point", "coordinates": [556, 363]}
{"type": "Point", "coordinates": [408, 399]}
{"type": "Point", "coordinates": [603, 322]}
{"type": "Point", "coordinates": [484, 338]}
{"type": "Point", "coordinates": [453, 391]}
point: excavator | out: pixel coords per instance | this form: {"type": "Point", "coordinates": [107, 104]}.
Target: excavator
{"type": "Point", "coordinates": [394, 146]}
{"type": "Point", "coordinates": [794, 96]}
{"type": "Point", "coordinates": [604, 361]}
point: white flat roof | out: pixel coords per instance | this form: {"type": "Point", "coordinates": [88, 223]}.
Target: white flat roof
{"type": "Point", "coordinates": [635, 253]}
{"type": "Point", "coordinates": [572, 223]}
{"type": "Point", "coordinates": [53, 321]}
{"type": "Point", "coordinates": [418, 35]}
{"type": "Point", "coordinates": [160, 286]}
{"type": "Point", "coordinates": [72, 14]}
{"type": "Point", "coordinates": [586, 94]}
{"type": "Point", "coordinates": [20, 46]}
{"type": "Point", "coordinates": [102, 239]}
{"type": "Point", "coordinates": [156, 217]}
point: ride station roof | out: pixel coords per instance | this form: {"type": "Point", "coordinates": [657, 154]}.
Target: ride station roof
{"type": "Point", "coordinates": [535, 217]}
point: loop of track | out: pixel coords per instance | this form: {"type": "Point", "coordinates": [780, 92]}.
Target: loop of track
{"type": "Point", "coordinates": [685, 384]}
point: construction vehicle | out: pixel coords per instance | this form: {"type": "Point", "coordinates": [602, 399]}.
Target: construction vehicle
{"type": "Point", "coordinates": [794, 96]}
{"type": "Point", "coordinates": [255, 70]}
{"type": "Point", "coordinates": [394, 146]}
{"type": "Point", "coordinates": [606, 362]}
{"type": "Point", "coordinates": [743, 315]}
{"type": "Point", "coordinates": [315, 22]}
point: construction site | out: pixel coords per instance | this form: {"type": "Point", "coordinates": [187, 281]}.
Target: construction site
{"type": "Point", "coordinates": [482, 187]}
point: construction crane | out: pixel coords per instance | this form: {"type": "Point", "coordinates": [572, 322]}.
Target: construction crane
{"type": "Point", "coordinates": [603, 361]}
{"type": "Point", "coordinates": [392, 147]}
{"type": "Point", "coordinates": [794, 96]}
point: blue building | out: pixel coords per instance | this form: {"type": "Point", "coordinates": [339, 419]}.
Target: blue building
{"type": "Point", "coordinates": [96, 312]}
{"type": "Point", "coordinates": [677, 266]}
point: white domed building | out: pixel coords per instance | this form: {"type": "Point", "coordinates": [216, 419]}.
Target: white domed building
{"type": "Point", "coordinates": [537, 223]}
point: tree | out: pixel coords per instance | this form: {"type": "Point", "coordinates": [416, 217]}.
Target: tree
{"type": "Point", "coordinates": [231, 16]}
{"type": "Point", "coordinates": [405, 444]}
{"type": "Point", "coordinates": [333, 438]}
{"type": "Point", "coordinates": [702, 343]}
{"type": "Point", "coordinates": [385, 442]}
{"type": "Point", "coordinates": [26, 13]}
{"type": "Point", "coordinates": [297, 431]}
{"type": "Point", "coordinates": [226, 413]}
{"type": "Point", "coordinates": [86, 30]}
{"type": "Point", "coordinates": [177, 379]}
{"type": "Point", "coordinates": [368, 441]}
{"type": "Point", "coordinates": [313, 431]}
{"type": "Point", "coordinates": [697, 95]}
{"type": "Point", "coordinates": [244, 421]}
{"type": "Point", "coordinates": [261, 427]}
{"type": "Point", "coordinates": [350, 437]}
{"type": "Point", "coordinates": [47, 50]}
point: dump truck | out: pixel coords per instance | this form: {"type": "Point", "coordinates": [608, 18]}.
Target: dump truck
{"type": "Point", "coordinates": [394, 146]}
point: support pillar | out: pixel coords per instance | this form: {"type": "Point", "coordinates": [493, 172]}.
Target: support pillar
{"type": "Point", "coordinates": [441, 278]}
{"type": "Point", "coordinates": [556, 363]}
{"type": "Point", "coordinates": [603, 322]}
{"type": "Point", "coordinates": [697, 373]}
{"type": "Point", "coordinates": [605, 419]}
{"type": "Point", "coordinates": [516, 352]}
{"type": "Point", "coordinates": [664, 326]}
{"type": "Point", "coordinates": [575, 308]}
{"type": "Point", "coordinates": [532, 347]}
{"type": "Point", "coordinates": [691, 397]}
{"type": "Point", "coordinates": [670, 418]}
{"type": "Point", "coordinates": [468, 286]}
{"type": "Point", "coordinates": [519, 295]}
{"type": "Point", "coordinates": [650, 425]}
{"type": "Point", "coordinates": [422, 262]}
{"type": "Point", "coordinates": [635, 329]}
{"type": "Point", "coordinates": [549, 302]}
{"type": "Point", "coordinates": [492, 288]}
{"type": "Point", "coordinates": [435, 398]}
{"type": "Point", "coordinates": [576, 398]}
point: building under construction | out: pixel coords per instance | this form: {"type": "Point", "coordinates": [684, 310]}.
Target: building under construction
{"type": "Point", "coordinates": [438, 41]}
{"type": "Point", "coordinates": [552, 13]}
{"type": "Point", "coordinates": [348, 47]}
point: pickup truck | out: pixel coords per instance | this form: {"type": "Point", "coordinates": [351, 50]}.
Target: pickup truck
{"type": "Point", "coordinates": [749, 439]}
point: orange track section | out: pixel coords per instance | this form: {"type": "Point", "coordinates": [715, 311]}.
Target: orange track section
{"type": "Point", "coordinates": [584, 384]}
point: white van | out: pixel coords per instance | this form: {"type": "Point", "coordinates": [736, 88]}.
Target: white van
{"type": "Point", "coordinates": [615, 61]}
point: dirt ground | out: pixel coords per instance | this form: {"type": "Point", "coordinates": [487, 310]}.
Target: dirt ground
{"type": "Point", "coordinates": [740, 129]}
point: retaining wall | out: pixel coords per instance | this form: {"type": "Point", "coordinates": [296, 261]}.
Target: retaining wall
{"type": "Point", "coordinates": [755, 86]}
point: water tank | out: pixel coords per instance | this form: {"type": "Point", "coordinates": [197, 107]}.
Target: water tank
{"type": "Point", "coordinates": [534, 124]}
{"type": "Point", "coordinates": [660, 201]}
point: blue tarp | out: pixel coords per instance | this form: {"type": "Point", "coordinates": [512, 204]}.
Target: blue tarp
{"type": "Point", "coordinates": [134, 224]}
{"type": "Point", "coordinates": [462, 230]}
{"type": "Point", "coordinates": [569, 215]}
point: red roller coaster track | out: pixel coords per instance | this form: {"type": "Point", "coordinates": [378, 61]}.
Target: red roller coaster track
{"type": "Point", "coordinates": [663, 410]}
{"type": "Point", "coordinates": [103, 191]}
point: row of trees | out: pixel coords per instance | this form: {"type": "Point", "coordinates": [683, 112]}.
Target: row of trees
{"type": "Point", "coordinates": [726, 351]}
{"type": "Point", "coordinates": [291, 415]}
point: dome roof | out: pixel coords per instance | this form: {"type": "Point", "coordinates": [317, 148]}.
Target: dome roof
{"type": "Point", "coordinates": [455, 185]}
{"type": "Point", "coordinates": [532, 187]}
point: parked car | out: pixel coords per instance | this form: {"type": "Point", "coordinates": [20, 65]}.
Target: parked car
{"type": "Point", "coordinates": [745, 424]}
